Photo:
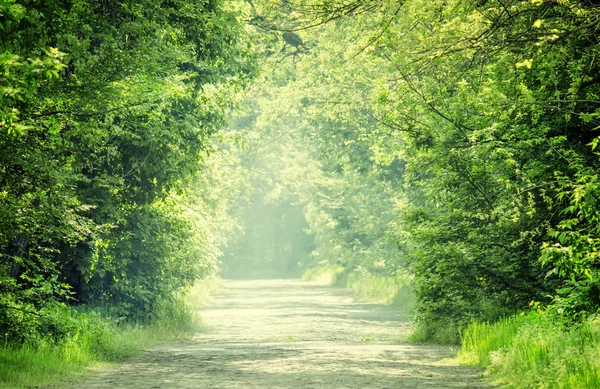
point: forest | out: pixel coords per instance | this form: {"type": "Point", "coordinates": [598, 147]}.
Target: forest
{"type": "Point", "coordinates": [437, 156]}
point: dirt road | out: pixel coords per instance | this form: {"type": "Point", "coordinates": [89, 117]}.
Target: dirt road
{"type": "Point", "coordinates": [291, 334]}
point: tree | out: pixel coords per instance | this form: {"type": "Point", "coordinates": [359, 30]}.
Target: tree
{"type": "Point", "coordinates": [109, 111]}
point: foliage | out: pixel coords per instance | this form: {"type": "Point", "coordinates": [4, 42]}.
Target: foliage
{"type": "Point", "coordinates": [108, 111]}
{"type": "Point", "coordinates": [532, 351]}
{"type": "Point", "coordinates": [93, 336]}
{"type": "Point", "coordinates": [466, 130]}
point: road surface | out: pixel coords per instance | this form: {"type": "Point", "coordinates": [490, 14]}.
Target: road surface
{"type": "Point", "coordinates": [291, 334]}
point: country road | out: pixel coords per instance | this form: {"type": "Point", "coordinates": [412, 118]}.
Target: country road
{"type": "Point", "coordinates": [291, 334]}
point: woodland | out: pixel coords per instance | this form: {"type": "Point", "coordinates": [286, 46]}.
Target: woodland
{"type": "Point", "coordinates": [440, 156]}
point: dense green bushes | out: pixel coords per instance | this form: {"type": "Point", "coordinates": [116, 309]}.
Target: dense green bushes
{"type": "Point", "coordinates": [84, 336]}
{"type": "Point", "coordinates": [108, 111]}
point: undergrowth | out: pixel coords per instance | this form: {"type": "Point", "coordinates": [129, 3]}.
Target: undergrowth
{"type": "Point", "coordinates": [536, 350]}
{"type": "Point", "coordinates": [395, 291]}
{"type": "Point", "coordinates": [92, 336]}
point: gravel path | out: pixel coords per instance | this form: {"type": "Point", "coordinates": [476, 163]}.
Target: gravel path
{"type": "Point", "coordinates": [291, 334]}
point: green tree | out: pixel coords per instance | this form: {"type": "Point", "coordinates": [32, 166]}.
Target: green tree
{"type": "Point", "coordinates": [108, 113]}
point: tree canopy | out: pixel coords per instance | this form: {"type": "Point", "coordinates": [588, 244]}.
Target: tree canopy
{"type": "Point", "coordinates": [452, 141]}
{"type": "Point", "coordinates": [107, 112]}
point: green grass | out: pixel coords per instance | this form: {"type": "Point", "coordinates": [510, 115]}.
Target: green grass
{"type": "Point", "coordinates": [47, 362]}
{"type": "Point", "coordinates": [328, 275]}
{"type": "Point", "coordinates": [441, 332]}
{"type": "Point", "coordinates": [533, 351]}
{"type": "Point", "coordinates": [97, 338]}
{"type": "Point", "coordinates": [35, 366]}
{"type": "Point", "coordinates": [396, 291]}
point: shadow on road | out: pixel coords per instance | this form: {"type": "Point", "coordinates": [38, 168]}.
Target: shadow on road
{"type": "Point", "coordinates": [292, 334]}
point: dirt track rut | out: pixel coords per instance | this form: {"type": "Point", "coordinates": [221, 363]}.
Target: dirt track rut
{"type": "Point", "coordinates": [291, 334]}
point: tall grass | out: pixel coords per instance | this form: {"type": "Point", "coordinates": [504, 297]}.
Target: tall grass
{"type": "Point", "coordinates": [96, 337]}
{"type": "Point", "coordinates": [442, 332]}
{"type": "Point", "coordinates": [391, 290]}
{"type": "Point", "coordinates": [327, 275]}
{"type": "Point", "coordinates": [534, 351]}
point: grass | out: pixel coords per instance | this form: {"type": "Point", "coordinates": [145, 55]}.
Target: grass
{"type": "Point", "coordinates": [327, 275]}
{"type": "Point", "coordinates": [442, 332]}
{"type": "Point", "coordinates": [395, 291]}
{"type": "Point", "coordinates": [97, 339]}
{"type": "Point", "coordinates": [534, 351]}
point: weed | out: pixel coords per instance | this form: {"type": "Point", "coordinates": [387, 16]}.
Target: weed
{"type": "Point", "coordinates": [396, 291]}
{"type": "Point", "coordinates": [93, 335]}
{"type": "Point", "coordinates": [535, 351]}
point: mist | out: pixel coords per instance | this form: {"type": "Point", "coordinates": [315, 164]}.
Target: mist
{"type": "Point", "coordinates": [274, 241]}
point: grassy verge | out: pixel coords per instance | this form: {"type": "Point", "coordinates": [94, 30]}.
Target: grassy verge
{"type": "Point", "coordinates": [396, 291]}
{"type": "Point", "coordinates": [96, 338]}
{"type": "Point", "coordinates": [534, 351]}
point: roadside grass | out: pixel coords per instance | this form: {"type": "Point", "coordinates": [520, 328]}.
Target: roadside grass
{"type": "Point", "coordinates": [535, 351]}
{"type": "Point", "coordinates": [327, 275]}
{"type": "Point", "coordinates": [441, 333]}
{"type": "Point", "coordinates": [96, 338]}
{"type": "Point", "coordinates": [395, 291]}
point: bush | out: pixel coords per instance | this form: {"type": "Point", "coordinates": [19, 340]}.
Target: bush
{"type": "Point", "coordinates": [79, 336]}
